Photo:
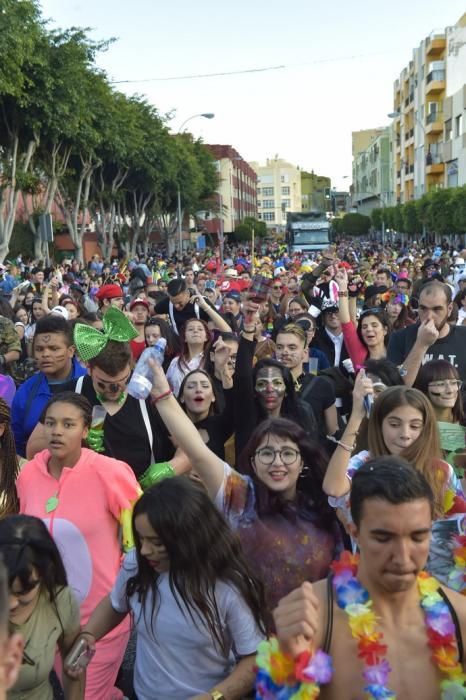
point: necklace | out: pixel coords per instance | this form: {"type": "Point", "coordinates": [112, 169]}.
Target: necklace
{"type": "Point", "coordinates": [354, 599]}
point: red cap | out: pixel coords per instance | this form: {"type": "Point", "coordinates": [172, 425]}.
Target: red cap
{"type": "Point", "coordinates": [109, 291]}
{"type": "Point", "coordinates": [143, 302]}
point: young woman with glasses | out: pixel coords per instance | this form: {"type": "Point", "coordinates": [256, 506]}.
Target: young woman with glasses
{"type": "Point", "coordinates": [276, 506]}
{"type": "Point", "coordinates": [441, 383]}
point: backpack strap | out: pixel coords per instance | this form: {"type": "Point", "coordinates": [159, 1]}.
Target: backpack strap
{"type": "Point", "coordinates": [150, 434]}
{"type": "Point", "coordinates": [79, 384]}
{"type": "Point", "coordinates": [31, 396]}
{"type": "Point", "coordinates": [329, 625]}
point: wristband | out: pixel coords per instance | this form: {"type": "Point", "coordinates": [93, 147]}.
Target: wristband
{"type": "Point", "coordinates": [165, 395]}
{"type": "Point", "coordinates": [154, 473]}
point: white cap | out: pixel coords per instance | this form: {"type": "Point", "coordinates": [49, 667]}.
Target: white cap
{"type": "Point", "coordinates": [61, 311]}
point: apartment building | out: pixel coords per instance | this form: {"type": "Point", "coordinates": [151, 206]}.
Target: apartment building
{"type": "Point", "coordinates": [371, 169]}
{"type": "Point", "coordinates": [237, 190]}
{"type": "Point", "coordinates": [315, 192]}
{"type": "Point", "coordinates": [278, 191]}
{"type": "Point", "coordinates": [428, 113]}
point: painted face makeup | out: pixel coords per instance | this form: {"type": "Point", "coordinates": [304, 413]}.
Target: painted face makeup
{"type": "Point", "coordinates": [270, 387]}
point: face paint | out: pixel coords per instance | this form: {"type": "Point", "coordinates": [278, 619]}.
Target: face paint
{"type": "Point", "coordinates": [270, 387]}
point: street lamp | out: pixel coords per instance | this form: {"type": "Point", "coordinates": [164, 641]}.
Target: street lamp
{"type": "Point", "coordinates": [206, 115]}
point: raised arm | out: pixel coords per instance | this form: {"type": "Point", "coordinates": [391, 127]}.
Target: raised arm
{"type": "Point", "coordinates": [214, 316]}
{"type": "Point", "coordinates": [426, 336]}
{"type": "Point", "coordinates": [336, 482]}
{"type": "Point", "coordinates": [204, 461]}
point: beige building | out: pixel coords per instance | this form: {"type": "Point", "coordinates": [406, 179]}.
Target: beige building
{"type": "Point", "coordinates": [371, 170]}
{"type": "Point", "coordinates": [429, 102]}
{"type": "Point", "coordinates": [278, 191]}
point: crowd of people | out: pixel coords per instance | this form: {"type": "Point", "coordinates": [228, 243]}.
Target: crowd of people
{"type": "Point", "coordinates": [291, 492]}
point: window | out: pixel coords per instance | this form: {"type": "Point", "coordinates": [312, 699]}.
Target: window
{"type": "Point", "coordinates": [258, 190]}
{"type": "Point", "coordinates": [285, 190]}
{"type": "Point", "coordinates": [268, 216]}
{"type": "Point", "coordinates": [268, 203]}
{"type": "Point", "coordinates": [458, 125]}
{"type": "Point", "coordinates": [286, 203]}
{"type": "Point", "coordinates": [448, 127]}
{"type": "Point", "coordinates": [259, 203]}
{"type": "Point", "coordinates": [267, 191]}
{"type": "Point", "coordinates": [259, 216]}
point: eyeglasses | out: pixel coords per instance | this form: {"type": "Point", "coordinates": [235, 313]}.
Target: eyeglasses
{"type": "Point", "coordinates": [446, 384]}
{"type": "Point", "coordinates": [274, 287]}
{"type": "Point", "coordinates": [267, 455]}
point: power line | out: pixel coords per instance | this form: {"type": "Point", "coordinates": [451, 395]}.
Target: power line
{"type": "Point", "coordinates": [196, 76]}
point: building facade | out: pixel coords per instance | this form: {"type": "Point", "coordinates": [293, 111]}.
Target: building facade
{"type": "Point", "coordinates": [429, 129]}
{"type": "Point", "coordinates": [315, 192]}
{"type": "Point", "coordinates": [278, 191]}
{"type": "Point", "coordinates": [237, 191]}
{"type": "Point", "coordinates": [371, 170]}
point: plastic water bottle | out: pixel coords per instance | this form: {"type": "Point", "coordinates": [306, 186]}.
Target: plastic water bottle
{"type": "Point", "coordinates": [140, 384]}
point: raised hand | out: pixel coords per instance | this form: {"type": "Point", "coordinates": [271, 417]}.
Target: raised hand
{"type": "Point", "coordinates": [297, 619]}
{"type": "Point", "coordinates": [427, 334]}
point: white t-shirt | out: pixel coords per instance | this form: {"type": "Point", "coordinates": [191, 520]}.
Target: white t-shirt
{"type": "Point", "coordinates": [176, 658]}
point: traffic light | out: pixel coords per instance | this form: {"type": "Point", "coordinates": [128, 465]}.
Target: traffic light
{"type": "Point", "coordinates": [327, 193]}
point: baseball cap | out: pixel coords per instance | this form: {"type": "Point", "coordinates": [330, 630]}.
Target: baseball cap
{"type": "Point", "coordinates": [233, 294]}
{"type": "Point", "coordinates": [143, 302]}
{"type": "Point", "coordinates": [109, 291]}
{"type": "Point", "coordinates": [61, 311]}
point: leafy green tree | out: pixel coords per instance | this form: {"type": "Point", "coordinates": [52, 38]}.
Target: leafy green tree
{"type": "Point", "coordinates": [458, 206]}
{"type": "Point", "coordinates": [440, 212]}
{"type": "Point", "coordinates": [376, 218]}
{"type": "Point", "coordinates": [410, 216]}
{"type": "Point", "coordinates": [356, 224]}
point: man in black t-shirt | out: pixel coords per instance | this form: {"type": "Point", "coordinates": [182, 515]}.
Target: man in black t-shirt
{"type": "Point", "coordinates": [181, 305]}
{"type": "Point", "coordinates": [431, 339]}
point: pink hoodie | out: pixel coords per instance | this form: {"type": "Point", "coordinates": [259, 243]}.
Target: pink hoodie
{"type": "Point", "coordinates": [94, 498]}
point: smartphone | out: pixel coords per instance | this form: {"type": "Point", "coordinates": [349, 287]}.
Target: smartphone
{"type": "Point", "coordinates": [259, 288]}
{"type": "Point", "coordinates": [80, 655]}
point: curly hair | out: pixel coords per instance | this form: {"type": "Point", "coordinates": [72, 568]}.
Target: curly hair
{"type": "Point", "coordinates": [9, 464]}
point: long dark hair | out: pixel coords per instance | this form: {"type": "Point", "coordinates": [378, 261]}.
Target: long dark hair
{"type": "Point", "coordinates": [380, 315]}
{"type": "Point", "coordinates": [167, 332]}
{"type": "Point", "coordinates": [9, 464]}
{"type": "Point", "coordinates": [25, 544]}
{"type": "Point", "coordinates": [183, 358]}
{"type": "Point", "coordinates": [213, 409]}
{"type": "Point", "coordinates": [290, 407]}
{"type": "Point", "coordinates": [201, 549]}
{"type": "Point", "coordinates": [309, 485]}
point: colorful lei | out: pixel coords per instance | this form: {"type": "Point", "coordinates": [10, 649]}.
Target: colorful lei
{"type": "Point", "coordinates": [454, 504]}
{"type": "Point", "coordinates": [390, 297]}
{"type": "Point", "coordinates": [354, 599]}
{"type": "Point", "coordinates": [281, 676]}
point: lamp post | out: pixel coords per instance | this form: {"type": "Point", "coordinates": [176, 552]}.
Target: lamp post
{"type": "Point", "coordinates": [206, 115]}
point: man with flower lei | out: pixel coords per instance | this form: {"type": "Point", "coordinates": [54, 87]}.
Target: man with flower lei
{"type": "Point", "coordinates": [381, 627]}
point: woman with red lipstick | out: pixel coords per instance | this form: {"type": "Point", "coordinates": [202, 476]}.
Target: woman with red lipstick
{"type": "Point", "coordinates": [197, 607]}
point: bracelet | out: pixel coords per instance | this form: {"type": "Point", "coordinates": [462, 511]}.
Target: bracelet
{"type": "Point", "coordinates": [165, 395]}
{"type": "Point", "coordinates": [342, 294]}
{"type": "Point", "coordinates": [348, 448]}
{"type": "Point", "coordinates": [302, 677]}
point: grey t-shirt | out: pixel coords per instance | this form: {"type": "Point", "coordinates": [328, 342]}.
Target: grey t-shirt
{"type": "Point", "coordinates": [176, 657]}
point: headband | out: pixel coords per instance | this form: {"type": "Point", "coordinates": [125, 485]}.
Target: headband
{"type": "Point", "coordinates": [90, 342]}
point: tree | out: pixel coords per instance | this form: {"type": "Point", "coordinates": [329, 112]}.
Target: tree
{"type": "Point", "coordinates": [376, 218]}
{"type": "Point", "coordinates": [439, 212]}
{"type": "Point", "coordinates": [356, 224]}
{"type": "Point", "coordinates": [458, 206]}
{"type": "Point", "coordinates": [243, 231]}
{"type": "Point", "coordinates": [410, 217]}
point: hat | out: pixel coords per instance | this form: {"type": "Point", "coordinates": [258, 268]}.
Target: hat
{"type": "Point", "coordinates": [428, 262]}
{"type": "Point", "coordinates": [233, 294]}
{"type": "Point", "coordinates": [61, 311]}
{"type": "Point", "coordinates": [142, 302]}
{"type": "Point", "coordinates": [75, 287]}
{"type": "Point", "coordinates": [109, 291]}
{"type": "Point", "coordinates": [231, 273]}
{"type": "Point", "coordinates": [372, 290]}
{"type": "Point", "coordinates": [328, 306]}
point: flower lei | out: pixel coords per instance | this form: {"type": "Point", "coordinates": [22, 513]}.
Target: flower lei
{"type": "Point", "coordinates": [454, 504]}
{"type": "Point", "coordinates": [281, 676]}
{"type": "Point", "coordinates": [354, 599]}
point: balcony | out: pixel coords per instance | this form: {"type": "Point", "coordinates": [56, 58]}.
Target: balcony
{"type": "Point", "coordinates": [435, 82]}
{"type": "Point", "coordinates": [435, 164]}
{"type": "Point", "coordinates": [435, 45]}
{"type": "Point", "coordinates": [434, 123]}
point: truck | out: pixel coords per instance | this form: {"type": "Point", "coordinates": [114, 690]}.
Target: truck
{"type": "Point", "coordinates": [308, 231]}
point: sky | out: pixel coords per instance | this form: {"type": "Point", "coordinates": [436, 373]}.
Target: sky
{"type": "Point", "coordinates": [333, 65]}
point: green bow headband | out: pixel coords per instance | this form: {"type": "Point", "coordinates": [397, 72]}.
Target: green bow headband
{"type": "Point", "coordinates": [90, 342]}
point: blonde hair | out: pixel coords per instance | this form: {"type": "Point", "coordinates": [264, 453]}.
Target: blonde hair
{"type": "Point", "coordinates": [424, 453]}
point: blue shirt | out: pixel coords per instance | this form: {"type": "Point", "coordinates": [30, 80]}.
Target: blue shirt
{"type": "Point", "coordinates": [24, 421]}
